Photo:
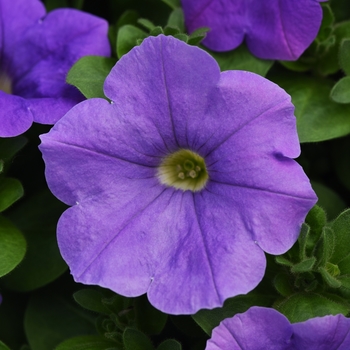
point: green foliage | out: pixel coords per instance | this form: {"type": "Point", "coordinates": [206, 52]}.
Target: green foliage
{"type": "Point", "coordinates": [42, 263]}
{"type": "Point", "coordinates": [318, 117]}
{"type": "Point", "coordinates": [341, 91]}
{"type": "Point", "coordinates": [242, 59]}
{"type": "Point", "coordinates": [12, 246]}
{"type": "Point", "coordinates": [88, 342]}
{"type": "Point", "coordinates": [127, 38]}
{"type": "Point", "coordinates": [135, 340]}
{"type": "Point", "coordinates": [89, 74]}
{"type": "Point", "coordinates": [169, 344]}
{"type": "Point", "coordinates": [4, 347]}
{"type": "Point", "coordinates": [10, 191]}
{"type": "Point", "coordinates": [91, 299]}
{"type": "Point", "coordinates": [301, 306]}
{"type": "Point", "coordinates": [314, 276]}
{"type": "Point", "coordinates": [51, 319]}
{"type": "Point", "coordinates": [148, 319]}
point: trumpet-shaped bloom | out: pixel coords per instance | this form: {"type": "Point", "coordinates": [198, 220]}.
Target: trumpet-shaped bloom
{"type": "Point", "coordinates": [272, 29]}
{"type": "Point", "coordinates": [36, 52]}
{"type": "Point", "coordinates": [180, 184]}
{"type": "Point", "coordinates": [262, 328]}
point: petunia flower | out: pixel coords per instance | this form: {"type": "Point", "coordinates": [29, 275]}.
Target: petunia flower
{"type": "Point", "coordinates": [36, 52]}
{"type": "Point", "coordinates": [180, 184]}
{"type": "Point", "coordinates": [272, 29]}
{"type": "Point", "coordinates": [262, 328]}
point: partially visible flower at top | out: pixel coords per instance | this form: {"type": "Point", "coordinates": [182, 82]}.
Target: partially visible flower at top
{"type": "Point", "coordinates": [36, 52]}
{"type": "Point", "coordinates": [181, 183]}
{"type": "Point", "coordinates": [272, 29]}
{"type": "Point", "coordinates": [262, 328]}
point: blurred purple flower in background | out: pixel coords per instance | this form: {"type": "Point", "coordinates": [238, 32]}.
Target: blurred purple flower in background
{"type": "Point", "coordinates": [36, 52]}
{"type": "Point", "coordinates": [272, 29]}
{"type": "Point", "coordinates": [262, 328]}
{"type": "Point", "coordinates": [181, 183]}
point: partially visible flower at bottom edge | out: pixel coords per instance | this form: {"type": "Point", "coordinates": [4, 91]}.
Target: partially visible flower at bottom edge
{"type": "Point", "coordinates": [134, 227]}
{"type": "Point", "coordinates": [261, 328]}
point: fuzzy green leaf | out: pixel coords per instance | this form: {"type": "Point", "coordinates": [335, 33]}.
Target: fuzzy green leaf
{"type": "Point", "coordinates": [304, 266]}
{"type": "Point", "coordinates": [340, 92]}
{"type": "Point", "coordinates": [344, 56]}
{"type": "Point", "coordinates": [302, 306]}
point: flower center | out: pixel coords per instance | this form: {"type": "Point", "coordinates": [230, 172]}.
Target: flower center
{"type": "Point", "coordinates": [184, 170]}
{"type": "Point", "coordinates": [5, 83]}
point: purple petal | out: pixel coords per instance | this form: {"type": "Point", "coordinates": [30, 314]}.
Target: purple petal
{"type": "Point", "coordinates": [323, 333]}
{"type": "Point", "coordinates": [18, 116]}
{"type": "Point", "coordinates": [262, 328]}
{"type": "Point", "coordinates": [273, 29]}
{"type": "Point", "coordinates": [258, 328]}
{"type": "Point", "coordinates": [169, 94]}
{"type": "Point", "coordinates": [44, 51]}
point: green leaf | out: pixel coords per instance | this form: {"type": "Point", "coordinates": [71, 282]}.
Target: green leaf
{"type": "Point", "coordinates": [280, 259]}
{"type": "Point", "coordinates": [89, 74]}
{"type": "Point", "coordinates": [135, 340]}
{"type": "Point", "coordinates": [37, 218]}
{"type": "Point", "coordinates": [88, 342]}
{"type": "Point", "coordinates": [4, 347]}
{"type": "Point", "coordinates": [172, 3]}
{"type": "Point", "coordinates": [341, 228]}
{"type": "Point", "coordinates": [329, 279]}
{"type": "Point", "coordinates": [325, 247]}
{"type": "Point", "coordinates": [209, 319]}
{"type": "Point", "coordinates": [176, 19]}
{"type": "Point", "coordinates": [51, 319]}
{"type": "Point", "coordinates": [182, 36]}
{"type": "Point", "coordinates": [344, 56]}
{"type": "Point", "coordinates": [304, 266]}
{"type": "Point", "coordinates": [242, 59]}
{"type": "Point", "coordinates": [302, 306]}
{"type": "Point", "coordinates": [146, 23]}
{"type": "Point", "coordinates": [127, 38]}
{"type": "Point", "coordinates": [169, 344]}
{"type": "Point", "coordinates": [148, 319]}
{"type": "Point", "coordinates": [10, 191]}
{"type": "Point", "coordinates": [91, 299]}
{"type": "Point", "coordinates": [327, 23]}
{"type": "Point", "coordinates": [12, 246]}
{"type": "Point", "coordinates": [128, 17]}
{"type": "Point", "coordinates": [282, 284]}
{"type": "Point", "coordinates": [340, 92]}
{"type": "Point", "coordinates": [318, 117]}
{"type": "Point", "coordinates": [328, 199]}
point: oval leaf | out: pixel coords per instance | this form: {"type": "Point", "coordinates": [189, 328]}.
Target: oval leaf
{"type": "Point", "coordinates": [12, 246]}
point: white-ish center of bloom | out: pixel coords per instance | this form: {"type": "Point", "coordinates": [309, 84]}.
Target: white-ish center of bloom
{"type": "Point", "coordinates": [5, 83]}
{"type": "Point", "coordinates": [184, 170]}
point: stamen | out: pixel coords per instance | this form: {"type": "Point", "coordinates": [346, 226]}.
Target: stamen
{"type": "Point", "coordinates": [183, 170]}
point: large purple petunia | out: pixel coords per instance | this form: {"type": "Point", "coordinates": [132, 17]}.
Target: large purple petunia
{"type": "Point", "coordinates": [272, 29]}
{"type": "Point", "coordinates": [36, 52]}
{"type": "Point", "coordinates": [262, 328]}
{"type": "Point", "coordinates": [181, 183]}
